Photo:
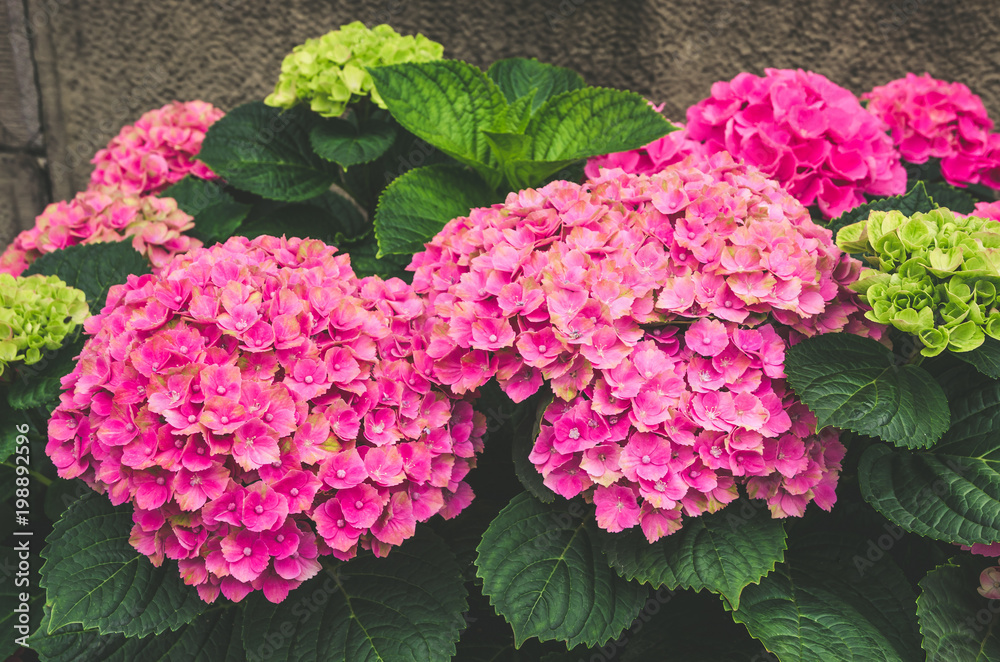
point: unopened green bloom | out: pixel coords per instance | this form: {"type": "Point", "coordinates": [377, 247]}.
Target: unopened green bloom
{"type": "Point", "coordinates": [329, 72]}
{"type": "Point", "coordinates": [36, 314]}
{"type": "Point", "coordinates": [934, 275]}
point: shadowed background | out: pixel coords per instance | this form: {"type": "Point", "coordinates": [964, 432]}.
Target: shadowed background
{"type": "Point", "coordinates": [73, 72]}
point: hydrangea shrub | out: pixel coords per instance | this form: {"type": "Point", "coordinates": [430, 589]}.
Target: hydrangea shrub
{"type": "Point", "coordinates": [933, 275]}
{"type": "Point", "coordinates": [933, 118]}
{"type": "Point", "coordinates": [36, 314]}
{"type": "Point", "coordinates": [157, 151]}
{"type": "Point", "coordinates": [104, 214]}
{"type": "Point", "coordinates": [804, 131]}
{"type": "Point", "coordinates": [260, 406]}
{"type": "Point", "coordinates": [330, 72]}
{"type": "Point", "coordinates": [658, 309]}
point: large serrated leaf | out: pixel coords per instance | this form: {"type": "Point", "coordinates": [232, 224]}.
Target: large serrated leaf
{"type": "Point", "coordinates": [216, 214]}
{"type": "Point", "coordinates": [347, 143]}
{"type": "Point", "coordinates": [913, 201]}
{"type": "Point", "coordinates": [950, 492]}
{"type": "Point", "coordinates": [267, 151]}
{"type": "Point", "coordinates": [328, 217]}
{"type": "Point", "coordinates": [951, 197]}
{"type": "Point", "coordinates": [38, 385]}
{"type": "Point", "coordinates": [950, 612]}
{"type": "Point", "coordinates": [519, 77]}
{"type": "Point", "coordinates": [449, 104]}
{"type": "Point", "coordinates": [93, 268]}
{"type": "Point", "coordinates": [985, 358]}
{"type": "Point", "coordinates": [94, 577]}
{"type": "Point", "coordinates": [723, 552]}
{"type": "Point", "coordinates": [544, 572]}
{"type": "Point", "coordinates": [857, 384]}
{"type": "Point", "coordinates": [406, 607]}
{"type": "Point", "coordinates": [817, 607]}
{"type": "Point", "coordinates": [415, 206]}
{"type": "Point", "coordinates": [213, 637]}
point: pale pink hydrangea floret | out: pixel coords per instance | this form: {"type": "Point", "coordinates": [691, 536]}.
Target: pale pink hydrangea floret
{"type": "Point", "coordinates": [156, 227]}
{"type": "Point", "coordinates": [802, 130]}
{"type": "Point", "coordinates": [934, 118]}
{"type": "Point", "coordinates": [658, 309]}
{"type": "Point", "coordinates": [158, 150]}
{"type": "Point", "coordinates": [260, 406]}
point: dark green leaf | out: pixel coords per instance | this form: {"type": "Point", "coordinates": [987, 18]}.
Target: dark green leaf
{"type": "Point", "coordinates": [94, 577]}
{"type": "Point", "coordinates": [347, 144]}
{"type": "Point", "coordinates": [818, 607]}
{"type": "Point", "coordinates": [950, 197]}
{"type": "Point", "coordinates": [449, 104]}
{"type": "Point", "coordinates": [10, 600]}
{"type": "Point", "coordinates": [417, 205]}
{"type": "Point", "coordinates": [520, 77]}
{"type": "Point", "coordinates": [915, 200]}
{"type": "Point", "coordinates": [544, 572]}
{"type": "Point", "coordinates": [525, 431]}
{"type": "Point", "coordinates": [328, 217]}
{"type": "Point", "coordinates": [266, 151]}
{"type": "Point", "coordinates": [93, 268]}
{"type": "Point", "coordinates": [216, 214]}
{"type": "Point", "coordinates": [950, 492]}
{"type": "Point", "coordinates": [952, 614]}
{"type": "Point", "coordinates": [364, 263]}
{"type": "Point", "coordinates": [723, 552]}
{"type": "Point", "coordinates": [38, 385]}
{"type": "Point", "coordinates": [213, 637]}
{"type": "Point", "coordinates": [406, 607]}
{"type": "Point", "coordinates": [985, 358]}
{"type": "Point", "coordinates": [857, 384]}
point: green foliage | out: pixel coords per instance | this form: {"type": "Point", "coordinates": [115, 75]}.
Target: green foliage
{"type": "Point", "coordinates": [93, 268]}
{"type": "Point", "coordinates": [348, 142]}
{"type": "Point", "coordinates": [950, 197]}
{"type": "Point", "coordinates": [266, 151]}
{"type": "Point", "coordinates": [537, 82]}
{"type": "Point", "coordinates": [217, 216]}
{"type": "Point", "coordinates": [39, 385]}
{"type": "Point", "coordinates": [415, 206]}
{"type": "Point", "coordinates": [723, 552]}
{"type": "Point", "coordinates": [544, 572]}
{"type": "Point", "coordinates": [913, 201]}
{"type": "Point", "coordinates": [818, 606]}
{"type": "Point", "coordinates": [406, 607]}
{"type": "Point", "coordinates": [94, 577]}
{"type": "Point", "coordinates": [985, 358]}
{"type": "Point", "coordinates": [857, 384]}
{"type": "Point", "coordinates": [952, 614]}
{"type": "Point", "coordinates": [950, 492]}
{"type": "Point", "coordinates": [330, 72]}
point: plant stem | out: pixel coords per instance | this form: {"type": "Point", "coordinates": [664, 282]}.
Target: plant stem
{"type": "Point", "coordinates": [41, 478]}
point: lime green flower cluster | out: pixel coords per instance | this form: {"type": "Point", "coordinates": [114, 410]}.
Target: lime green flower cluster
{"type": "Point", "coordinates": [330, 72]}
{"type": "Point", "coordinates": [36, 312]}
{"type": "Point", "coordinates": [936, 276]}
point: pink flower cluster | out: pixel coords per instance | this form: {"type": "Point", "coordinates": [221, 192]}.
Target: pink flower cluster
{"type": "Point", "coordinates": [809, 134]}
{"type": "Point", "coordinates": [933, 118]}
{"type": "Point", "coordinates": [158, 150]}
{"type": "Point", "coordinates": [652, 158]}
{"type": "Point", "coordinates": [101, 214]}
{"type": "Point", "coordinates": [260, 406]}
{"type": "Point", "coordinates": [588, 287]}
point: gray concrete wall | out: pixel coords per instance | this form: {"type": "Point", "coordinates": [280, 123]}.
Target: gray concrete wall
{"type": "Point", "coordinates": [72, 72]}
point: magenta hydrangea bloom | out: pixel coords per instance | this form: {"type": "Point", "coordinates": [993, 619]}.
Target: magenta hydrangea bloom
{"type": "Point", "coordinates": [260, 406]}
{"type": "Point", "coordinates": [658, 309]}
{"type": "Point", "coordinates": [802, 130]}
{"type": "Point", "coordinates": [156, 227]}
{"type": "Point", "coordinates": [158, 150]}
{"type": "Point", "coordinates": [934, 118]}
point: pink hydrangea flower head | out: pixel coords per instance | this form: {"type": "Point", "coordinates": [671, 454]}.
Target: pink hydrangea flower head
{"type": "Point", "coordinates": [248, 421]}
{"type": "Point", "coordinates": [158, 150]}
{"type": "Point", "coordinates": [934, 118]}
{"type": "Point", "coordinates": [657, 310]}
{"type": "Point", "coordinates": [155, 226]}
{"type": "Point", "coordinates": [805, 132]}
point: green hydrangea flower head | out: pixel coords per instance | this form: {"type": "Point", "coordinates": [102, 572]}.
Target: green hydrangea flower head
{"type": "Point", "coordinates": [934, 275]}
{"type": "Point", "coordinates": [329, 72]}
{"type": "Point", "coordinates": [36, 314]}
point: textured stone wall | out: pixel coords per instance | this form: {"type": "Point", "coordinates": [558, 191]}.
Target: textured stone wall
{"type": "Point", "coordinates": [72, 72]}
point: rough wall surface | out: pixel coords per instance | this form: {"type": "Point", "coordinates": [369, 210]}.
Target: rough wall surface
{"type": "Point", "coordinates": [95, 65]}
